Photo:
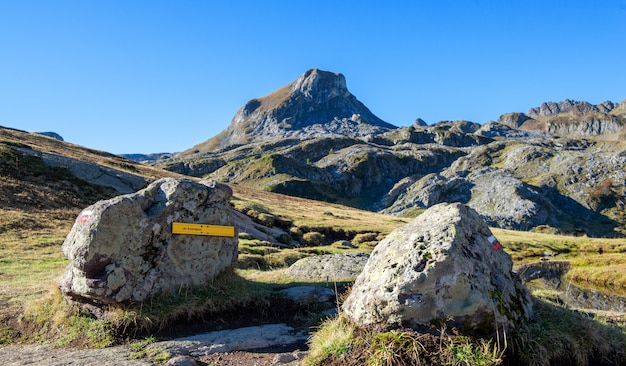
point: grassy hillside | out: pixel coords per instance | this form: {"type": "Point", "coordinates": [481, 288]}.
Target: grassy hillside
{"type": "Point", "coordinates": [39, 204]}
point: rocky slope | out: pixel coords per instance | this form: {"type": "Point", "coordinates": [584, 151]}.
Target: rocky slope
{"type": "Point", "coordinates": [575, 119]}
{"type": "Point", "coordinates": [558, 167]}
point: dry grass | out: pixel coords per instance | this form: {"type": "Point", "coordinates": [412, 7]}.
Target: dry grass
{"type": "Point", "coordinates": [525, 246]}
{"type": "Point", "coordinates": [35, 218]}
{"type": "Point", "coordinates": [10, 137]}
{"type": "Point", "coordinates": [30, 253]}
{"type": "Point", "coordinates": [340, 342]}
{"type": "Point", "coordinates": [605, 272]}
{"type": "Point", "coordinates": [555, 336]}
{"type": "Point", "coordinates": [598, 263]}
{"type": "Point", "coordinates": [314, 214]}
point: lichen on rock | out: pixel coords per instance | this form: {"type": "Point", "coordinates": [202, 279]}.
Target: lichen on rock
{"type": "Point", "coordinates": [443, 267]}
{"type": "Point", "coordinates": [123, 249]}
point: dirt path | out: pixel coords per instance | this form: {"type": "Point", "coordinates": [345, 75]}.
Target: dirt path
{"type": "Point", "coordinates": [272, 344]}
{"type": "Point", "coordinates": [46, 355]}
{"type": "Point", "coordinates": [120, 356]}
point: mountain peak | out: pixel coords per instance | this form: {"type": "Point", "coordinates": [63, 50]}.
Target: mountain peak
{"type": "Point", "coordinates": [316, 81]}
{"type": "Point", "coordinates": [316, 104]}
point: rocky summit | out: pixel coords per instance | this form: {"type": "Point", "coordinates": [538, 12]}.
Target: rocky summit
{"type": "Point", "coordinates": [123, 249]}
{"type": "Point", "coordinates": [317, 103]}
{"type": "Point", "coordinates": [445, 267]}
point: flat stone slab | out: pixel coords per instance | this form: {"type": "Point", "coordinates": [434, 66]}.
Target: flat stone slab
{"type": "Point", "coordinates": [241, 339]}
{"type": "Point", "coordinates": [329, 267]}
{"type": "Point", "coordinates": [18, 355]}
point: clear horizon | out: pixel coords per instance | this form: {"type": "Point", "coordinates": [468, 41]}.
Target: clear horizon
{"type": "Point", "coordinates": [150, 77]}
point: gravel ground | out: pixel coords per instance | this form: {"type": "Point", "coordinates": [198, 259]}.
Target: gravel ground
{"type": "Point", "coordinates": [46, 355]}
{"type": "Point", "coordinates": [119, 356]}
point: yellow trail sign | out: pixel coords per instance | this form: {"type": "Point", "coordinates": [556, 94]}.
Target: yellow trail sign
{"type": "Point", "coordinates": [202, 229]}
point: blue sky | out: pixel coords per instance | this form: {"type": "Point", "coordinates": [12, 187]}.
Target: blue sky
{"type": "Point", "coordinates": [161, 76]}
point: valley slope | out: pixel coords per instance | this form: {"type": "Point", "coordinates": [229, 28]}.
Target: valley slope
{"type": "Point", "coordinates": [557, 168]}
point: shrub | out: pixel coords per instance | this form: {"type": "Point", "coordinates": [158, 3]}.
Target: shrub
{"type": "Point", "coordinates": [313, 239]}
{"type": "Point", "coordinates": [285, 239]}
{"type": "Point", "coordinates": [266, 219]}
{"type": "Point", "coordinates": [366, 238]}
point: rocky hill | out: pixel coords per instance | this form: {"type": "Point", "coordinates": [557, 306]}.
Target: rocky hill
{"type": "Point", "coordinates": [575, 119]}
{"type": "Point", "coordinates": [317, 103]}
{"type": "Point", "coordinates": [39, 172]}
{"type": "Point", "coordinates": [558, 167]}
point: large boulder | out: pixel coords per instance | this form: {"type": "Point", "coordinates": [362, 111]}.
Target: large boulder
{"type": "Point", "coordinates": [123, 249]}
{"type": "Point", "coordinates": [445, 267]}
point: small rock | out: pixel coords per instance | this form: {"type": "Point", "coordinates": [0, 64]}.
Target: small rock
{"type": "Point", "coordinates": [284, 358]}
{"type": "Point", "coordinates": [308, 294]}
{"type": "Point", "coordinates": [292, 358]}
{"type": "Point", "coordinates": [182, 361]}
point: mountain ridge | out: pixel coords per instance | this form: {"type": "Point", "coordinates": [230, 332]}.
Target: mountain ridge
{"type": "Point", "coordinates": [517, 173]}
{"type": "Point", "coordinates": [315, 103]}
{"type": "Point", "coordinates": [558, 167]}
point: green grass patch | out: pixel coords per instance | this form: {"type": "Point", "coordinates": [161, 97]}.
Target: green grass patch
{"type": "Point", "coordinates": [334, 339]}
{"type": "Point", "coordinates": [229, 291]}
{"type": "Point", "coordinates": [340, 341]}
{"type": "Point", "coordinates": [555, 335]}
{"type": "Point", "coordinates": [53, 320]}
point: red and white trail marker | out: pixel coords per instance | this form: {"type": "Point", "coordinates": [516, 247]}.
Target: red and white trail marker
{"type": "Point", "coordinates": [496, 244]}
{"type": "Point", "coordinates": [84, 216]}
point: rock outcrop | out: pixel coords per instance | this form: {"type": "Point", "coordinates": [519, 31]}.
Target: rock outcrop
{"type": "Point", "coordinates": [523, 184]}
{"type": "Point", "coordinates": [443, 267]}
{"type": "Point", "coordinates": [495, 130]}
{"type": "Point", "coordinates": [51, 134]}
{"type": "Point", "coordinates": [576, 108]}
{"type": "Point", "coordinates": [578, 119]}
{"type": "Point", "coordinates": [123, 250]}
{"type": "Point", "coordinates": [590, 126]}
{"type": "Point", "coordinates": [123, 182]}
{"type": "Point", "coordinates": [419, 123]}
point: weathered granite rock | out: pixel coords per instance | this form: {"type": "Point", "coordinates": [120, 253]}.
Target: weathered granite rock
{"type": "Point", "coordinates": [123, 249]}
{"type": "Point", "coordinates": [331, 267]}
{"type": "Point", "coordinates": [513, 120]}
{"type": "Point", "coordinates": [430, 190]}
{"type": "Point", "coordinates": [443, 267]}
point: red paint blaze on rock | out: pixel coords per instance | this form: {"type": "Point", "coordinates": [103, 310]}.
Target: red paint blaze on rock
{"type": "Point", "coordinates": [496, 244]}
{"type": "Point", "coordinates": [84, 216]}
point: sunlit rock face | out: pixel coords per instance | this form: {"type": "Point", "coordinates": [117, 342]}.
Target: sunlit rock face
{"type": "Point", "coordinates": [123, 249]}
{"type": "Point", "coordinates": [445, 267]}
{"type": "Point", "coordinates": [316, 104]}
